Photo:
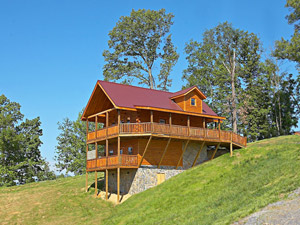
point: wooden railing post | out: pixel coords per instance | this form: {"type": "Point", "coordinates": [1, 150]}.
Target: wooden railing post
{"type": "Point", "coordinates": [170, 123]}
{"type": "Point", "coordinates": [219, 128]}
{"type": "Point", "coordinates": [96, 126]}
{"type": "Point", "coordinates": [231, 151]}
{"type": "Point", "coordinates": [205, 131]}
{"type": "Point", "coordinates": [106, 123]}
{"type": "Point", "coordinates": [119, 145]}
{"type": "Point", "coordinates": [119, 121]}
{"type": "Point", "coordinates": [188, 125]}
{"type": "Point", "coordinates": [151, 120]}
{"type": "Point", "coordinates": [106, 149]}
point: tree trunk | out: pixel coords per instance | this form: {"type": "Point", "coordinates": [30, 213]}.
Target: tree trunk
{"type": "Point", "coordinates": [276, 119]}
{"type": "Point", "coordinates": [233, 95]}
{"type": "Point", "coordinates": [279, 114]}
{"type": "Point", "coordinates": [150, 78]}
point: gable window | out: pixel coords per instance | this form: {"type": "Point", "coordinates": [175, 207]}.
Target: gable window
{"type": "Point", "coordinates": [193, 101]}
{"type": "Point", "coordinates": [162, 121]}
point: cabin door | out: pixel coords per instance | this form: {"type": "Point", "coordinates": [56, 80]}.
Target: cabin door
{"type": "Point", "coordinates": [161, 177]}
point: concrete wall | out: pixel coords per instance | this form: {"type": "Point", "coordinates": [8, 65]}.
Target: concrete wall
{"type": "Point", "coordinates": [191, 153]}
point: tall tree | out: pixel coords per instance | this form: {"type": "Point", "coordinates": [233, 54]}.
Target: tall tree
{"type": "Point", "coordinates": [219, 65]}
{"type": "Point", "coordinates": [289, 49]}
{"type": "Point", "coordinates": [71, 148]}
{"type": "Point", "coordinates": [136, 43]}
{"type": "Point", "coordinates": [19, 146]}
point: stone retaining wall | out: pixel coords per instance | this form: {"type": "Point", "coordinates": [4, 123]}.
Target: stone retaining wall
{"type": "Point", "coordinates": [133, 181]}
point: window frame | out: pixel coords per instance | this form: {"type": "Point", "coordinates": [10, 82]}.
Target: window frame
{"type": "Point", "coordinates": [191, 102]}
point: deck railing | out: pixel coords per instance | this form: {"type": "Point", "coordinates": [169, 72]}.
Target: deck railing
{"type": "Point", "coordinates": [113, 161]}
{"type": "Point", "coordinates": [166, 129]}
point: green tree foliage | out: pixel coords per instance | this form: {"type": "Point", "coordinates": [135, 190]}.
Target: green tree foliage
{"type": "Point", "coordinates": [19, 146]}
{"type": "Point", "coordinates": [71, 148]}
{"type": "Point", "coordinates": [224, 60]}
{"type": "Point", "coordinates": [227, 66]}
{"type": "Point", "coordinates": [290, 49]}
{"type": "Point", "coordinates": [136, 43]}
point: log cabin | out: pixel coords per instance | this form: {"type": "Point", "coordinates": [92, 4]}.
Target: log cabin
{"type": "Point", "coordinates": [140, 137]}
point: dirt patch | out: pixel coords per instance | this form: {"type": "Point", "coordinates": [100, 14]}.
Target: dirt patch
{"type": "Point", "coordinates": [282, 212]}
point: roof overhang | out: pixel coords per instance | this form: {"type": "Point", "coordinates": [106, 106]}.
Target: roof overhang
{"type": "Point", "coordinates": [98, 85]}
{"type": "Point", "coordinates": [181, 112]}
{"type": "Point", "coordinates": [193, 89]}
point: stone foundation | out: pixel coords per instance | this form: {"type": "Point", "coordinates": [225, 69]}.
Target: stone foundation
{"type": "Point", "coordinates": [133, 181]}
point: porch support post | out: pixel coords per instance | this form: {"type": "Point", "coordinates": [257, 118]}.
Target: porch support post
{"type": "Point", "coordinates": [219, 124]}
{"type": "Point", "coordinates": [106, 123]}
{"type": "Point", "coordinates": [106, 150]}
{"type": "Point", "coordinates": [188, 125]}
{"type": "Point", "coordinates": [96, 152]}
{"type": "Point", "coordinates": [86, 181]}
{"type": "Point", "coordinates": [96, 184]}
{"type": "Point", "coordinates": [96, 126]}
{"type": "Point", "coordinates": [185, 147]}
{"type": "Point", "coordinates": [87, 128]}
{"type": "Point", "coordinates": [231, 153]}
{"type": "Point", "coordinates": [215, 151]}
{"type": "Point", "coordinates": [151, 120]}
{"type": "Point", "coordinates": [119, 147]}
{"type": "Point", "coordinates": [118, 184]}
{"type": "Point", "coordinates": [170, 122]}
{"type": "Point", "coordinates": [197, 156]}
{"type": "Point", "coordinates": [204, 126]}
{"type": "Point", "coordinates": [106, 184]}
{"type": "Point", "coordinates": [163, 155]}
{"type": "Point", "coordinates": [146, 148]}
{"type": "Point", "coordinates": [119, 120]}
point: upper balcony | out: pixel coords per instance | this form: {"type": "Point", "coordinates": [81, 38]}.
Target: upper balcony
{"type": "Point", "coordinates": [167, 130]}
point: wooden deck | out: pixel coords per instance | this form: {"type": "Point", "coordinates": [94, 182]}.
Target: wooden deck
{"type": "Point", "coordinates": [111, 162]}
{"type": "Point", "coordinates": [166, 130]}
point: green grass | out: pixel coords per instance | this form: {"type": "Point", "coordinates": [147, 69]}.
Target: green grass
{"type": "Point", "coordinates": [63, 201]}
{"type": "Point", "coordinates": [217, 192]}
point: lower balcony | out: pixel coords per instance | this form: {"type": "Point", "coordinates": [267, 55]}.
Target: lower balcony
{"type": "Point", "coordinates": [114, 161]}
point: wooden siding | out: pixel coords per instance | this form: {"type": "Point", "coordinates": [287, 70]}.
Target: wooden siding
{"type": "Point", "coordinates": [184, 102]}
{"type": "Point", "coordinates": [124, 145]}
{"type": "Point", "coordinates": [180, 101]}
{"type": "Point", "coordinates": [94, 106]}
{"type": "Point", "coordinates": [155, 151]}
{"type": "Point", "coordinates": [190, 108]}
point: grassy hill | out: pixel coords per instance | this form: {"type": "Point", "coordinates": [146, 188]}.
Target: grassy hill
{"type": "Point", "coordinates": [217, 192]}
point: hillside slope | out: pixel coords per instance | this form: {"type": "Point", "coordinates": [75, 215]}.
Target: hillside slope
{"type": "Point", "coordinates": [217, 192]}
{"type": "Point", "coordinates": [220, 191]}
{"type": "Point", "coordinates": [62, 201]}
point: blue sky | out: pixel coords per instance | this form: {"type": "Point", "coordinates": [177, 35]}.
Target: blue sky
{"type": "Point", "coordinates": [51, 51]}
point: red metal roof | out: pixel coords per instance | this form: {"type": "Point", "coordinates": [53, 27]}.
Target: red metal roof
{"type": "Point", "coordinates": [131, 96]}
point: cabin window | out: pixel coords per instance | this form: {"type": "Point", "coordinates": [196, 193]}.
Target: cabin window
{"type": "Point", "coordinates": [129, 150]}
{"type": "Point", "coordinates": [193, 101]}
{"type": "Point", "coordinates": [162, 121]}
{"type": "Point", "coordinates": [111, 152]}
{"type": "Point", "coordinates": [121, 151]}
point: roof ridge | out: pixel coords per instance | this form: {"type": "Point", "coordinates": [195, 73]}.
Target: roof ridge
{"type": "Point", "coordinates": [136, 86]}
